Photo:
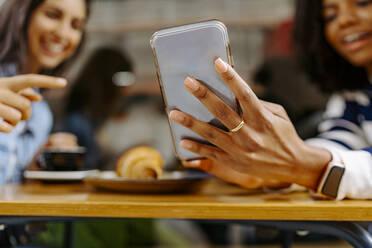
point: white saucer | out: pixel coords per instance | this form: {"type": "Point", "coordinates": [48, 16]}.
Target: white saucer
{"type": "Point", "coordinates": [58, 175]}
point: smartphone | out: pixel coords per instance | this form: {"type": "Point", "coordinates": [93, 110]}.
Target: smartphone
{"type": "Point", "coordinates": [190, 50]}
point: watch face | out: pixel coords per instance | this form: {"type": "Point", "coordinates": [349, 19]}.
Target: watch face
{"type": "Point", "coordinates": [332, 182]}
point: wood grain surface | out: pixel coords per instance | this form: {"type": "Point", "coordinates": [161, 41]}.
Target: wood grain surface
{"type": "Point", "coordinates": [216, 200]}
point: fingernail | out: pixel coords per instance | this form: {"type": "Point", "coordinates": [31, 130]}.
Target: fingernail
{"type": "Point", "coordinates": [186, 144]}
{"type": "Point", "coordinates": [192, 84]}
{"type": "Point", "coordinates": [221, 66]}
{"type": "Point", "coordinates": [176, 116]}
{"type": "Point", "coordinates": [7, 128]}
{"type": "Point", "coordinates": [194, 163]}
{"type": "Point", "coordinates": [61, 81]}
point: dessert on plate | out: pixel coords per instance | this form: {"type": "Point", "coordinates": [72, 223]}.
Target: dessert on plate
{"type": "Point", "coordinates": [141, 162]}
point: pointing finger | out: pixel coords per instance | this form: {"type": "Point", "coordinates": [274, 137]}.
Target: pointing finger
{"type": "Point", "coordinates": [21, 82]}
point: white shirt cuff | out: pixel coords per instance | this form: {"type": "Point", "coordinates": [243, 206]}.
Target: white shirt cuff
{"type": "Point", "coordinates": [357, 180]}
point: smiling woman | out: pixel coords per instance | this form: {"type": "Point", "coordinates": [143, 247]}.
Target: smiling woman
{"type": "Point", "coordinates": [348, 29]}
{"type": "Point", "coordinates": [330, 63]}
{"type": "Point", "coordinates": [36, 37]}
{"type": "Point", "coordinates": [54, 33]}
{"type": "Point", "coordinates": [41, 35]}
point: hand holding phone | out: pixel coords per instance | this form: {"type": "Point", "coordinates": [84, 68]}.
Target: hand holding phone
{"type": "Point", "coordinates": [190, 50]}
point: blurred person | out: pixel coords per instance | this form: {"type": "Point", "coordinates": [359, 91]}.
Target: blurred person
{"type": "Point", "coordinates": [96, 96]}
{"type": "Point", "coordinates": [38, 38]}
{"type": "Point", "coordinates": [262, 146]}
{"type": "Point", "coordinates": [109, 113]}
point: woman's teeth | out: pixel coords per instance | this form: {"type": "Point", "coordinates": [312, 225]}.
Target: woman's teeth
{"type": "Point", "coordinates": [54, 48]}
{"type": "Point", "coordinates": [354, 37]}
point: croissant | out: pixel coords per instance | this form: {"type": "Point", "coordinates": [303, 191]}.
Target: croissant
{"type": "Point", "coordinates": [142, 162]}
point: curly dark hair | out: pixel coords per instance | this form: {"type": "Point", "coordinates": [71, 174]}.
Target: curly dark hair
{"type": "Point", "coordinates": [326, 67]}
{"type": "Point", "coordinates": [14, 19]}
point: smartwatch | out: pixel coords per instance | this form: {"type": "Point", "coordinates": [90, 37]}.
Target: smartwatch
{"type": "Point", "coordinates": [330, 181]}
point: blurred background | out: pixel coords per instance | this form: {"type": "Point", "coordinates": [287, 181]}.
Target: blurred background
{"type": "Point", "coordinates": [129, 24]}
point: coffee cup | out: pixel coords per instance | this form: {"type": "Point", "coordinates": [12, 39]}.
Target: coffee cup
{"type": "Point", "coordinates": [62, 159]}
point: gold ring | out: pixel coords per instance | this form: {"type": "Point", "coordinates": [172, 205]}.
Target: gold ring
{"type": "Point", "coordinates": [238, 127]}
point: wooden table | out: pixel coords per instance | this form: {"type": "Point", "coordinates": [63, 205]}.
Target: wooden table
{"type": "Point", "coordinates": [216, 201]}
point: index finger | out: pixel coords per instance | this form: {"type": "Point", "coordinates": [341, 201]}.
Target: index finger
{"type": "Point", "coordinates": [20, 82]}
{"type": "Point", "coordinates": [247, 99]}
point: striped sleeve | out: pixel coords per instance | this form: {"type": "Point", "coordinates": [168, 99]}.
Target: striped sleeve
{"type": "Point", "coordinates": [341, 127]}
